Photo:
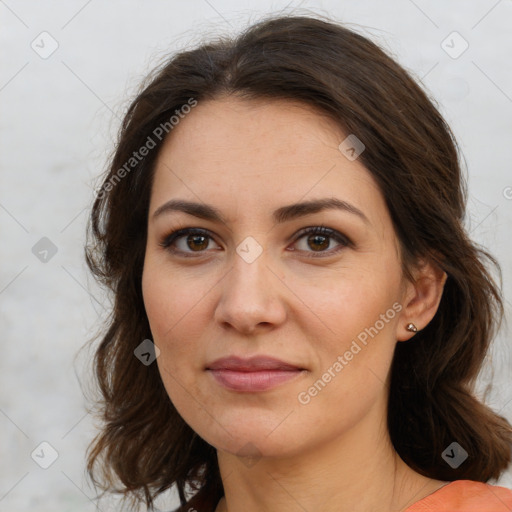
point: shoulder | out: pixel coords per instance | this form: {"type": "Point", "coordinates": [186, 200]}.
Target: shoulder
{"type": "Point", "coordinates": [466, 496]}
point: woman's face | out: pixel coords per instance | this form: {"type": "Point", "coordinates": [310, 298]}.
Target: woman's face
{"type": "Point", "coordinates": [255, 284]}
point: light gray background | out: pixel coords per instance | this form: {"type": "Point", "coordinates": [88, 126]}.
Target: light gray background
{"type": "Point", "coordinates": [58, 121]}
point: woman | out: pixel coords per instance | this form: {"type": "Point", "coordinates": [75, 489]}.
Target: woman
{"type": "Point", "coordinates": [299, 315]}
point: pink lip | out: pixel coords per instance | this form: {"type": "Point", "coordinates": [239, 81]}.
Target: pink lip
{"type": "Point", "coordinates": [250, 364]}
{"type": "Point", "coordinates": [257, 373]}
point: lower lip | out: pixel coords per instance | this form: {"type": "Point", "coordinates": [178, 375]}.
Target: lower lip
{"type": "Point", "coordinates": [253, 381]}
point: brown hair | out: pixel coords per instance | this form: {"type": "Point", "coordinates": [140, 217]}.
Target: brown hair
{"type": "Point", "coordinates": [411, 153]}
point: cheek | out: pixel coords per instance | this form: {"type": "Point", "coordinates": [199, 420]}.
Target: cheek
{"type": "Point", "coordinates": [349, 301]}
{"type": "Point", "coordinates": [173, 311]}
{"type": "Point", "coordinates": [354, 347]}
{"type": "Point", "coordinates": [170, 299]}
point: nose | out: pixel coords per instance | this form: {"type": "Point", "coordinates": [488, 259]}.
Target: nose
{"type": "Point", "coordinates": [252, 296]}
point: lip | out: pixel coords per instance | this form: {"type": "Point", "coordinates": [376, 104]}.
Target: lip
{"type": "Point", "coordinates": [251, 364]}
{"type": "Point", "coordinates": [258, 373]}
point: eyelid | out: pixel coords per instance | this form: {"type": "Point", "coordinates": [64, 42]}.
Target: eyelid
{"type": "Point", "coordinates": [322, 230]}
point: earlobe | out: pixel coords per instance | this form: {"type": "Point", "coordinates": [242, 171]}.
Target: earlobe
{"type": "Point", "coordinates": [421, 300]}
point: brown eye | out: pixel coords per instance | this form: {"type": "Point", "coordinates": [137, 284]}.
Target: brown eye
{"type": "Point", "coordinates": [318, 239]}
{"type": "Point", "coordinates": [198, 242]}
{"type": "Point", "coordinates": [187, 241]}
{"type": "Point", "coordinates": [319, 242]}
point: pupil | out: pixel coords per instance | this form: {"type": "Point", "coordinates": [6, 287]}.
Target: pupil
{"type": "Point", "coordinates": [194, 238]}
{"type": "Point", "coordinates": [315, 240]}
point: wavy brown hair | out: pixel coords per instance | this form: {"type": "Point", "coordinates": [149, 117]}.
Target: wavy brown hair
{"type": "Point", "coordinates": [144, 446]}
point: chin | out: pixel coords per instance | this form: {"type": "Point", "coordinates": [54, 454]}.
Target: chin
{"type": "Point", "coordinates": [252, 441]}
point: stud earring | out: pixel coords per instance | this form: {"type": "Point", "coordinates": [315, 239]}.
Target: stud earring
{"type": "Point", "coordinates": [411, 327]}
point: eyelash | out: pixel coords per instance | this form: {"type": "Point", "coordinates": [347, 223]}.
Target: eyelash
{"type": "Point", "coordinates": [316, 230]}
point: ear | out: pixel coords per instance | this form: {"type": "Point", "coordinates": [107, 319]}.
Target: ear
{"type": "Point", "coordinates": [421, 298]}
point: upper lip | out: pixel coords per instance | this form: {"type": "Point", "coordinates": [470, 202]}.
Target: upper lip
{"type": "Point", "coordinates": [256, 363]}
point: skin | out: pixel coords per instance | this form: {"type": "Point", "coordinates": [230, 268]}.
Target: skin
{"type": "Point", "coordinates": [248, 158]}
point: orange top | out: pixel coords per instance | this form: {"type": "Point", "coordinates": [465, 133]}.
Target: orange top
{"type": "Point", "coordinates": [466, 496]}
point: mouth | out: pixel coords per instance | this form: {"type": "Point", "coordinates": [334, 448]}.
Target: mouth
{"type": "Point", "coordinates": [255, 374]}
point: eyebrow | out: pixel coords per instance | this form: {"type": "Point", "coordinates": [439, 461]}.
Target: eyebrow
{"type": "Point", "coordinates": [283, 214]}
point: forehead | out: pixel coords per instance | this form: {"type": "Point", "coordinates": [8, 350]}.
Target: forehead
{"type": "Point", "coordinates": [277, 130]}
{"type": "Point", "coordinates": [240, 154]}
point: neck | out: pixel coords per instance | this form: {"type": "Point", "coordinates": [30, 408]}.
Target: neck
{"type": "Point", "coordinates": [358, 472]}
